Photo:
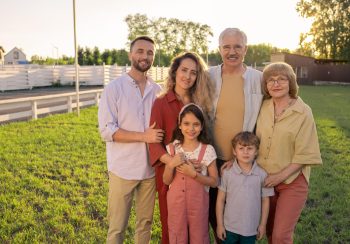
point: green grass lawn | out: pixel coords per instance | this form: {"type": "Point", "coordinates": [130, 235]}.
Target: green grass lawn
{"type": "Point", "coordinates": [53, 178]}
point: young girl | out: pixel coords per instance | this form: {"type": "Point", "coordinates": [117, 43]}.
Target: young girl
{"type": "Point", "coordinates": [188, 195]}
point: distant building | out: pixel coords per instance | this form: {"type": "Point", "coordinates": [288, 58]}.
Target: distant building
{"type": "Point", "coordinates": [312, 71]}
{"type": "Point", "coordinates": [2, 54]}
{"type": "Point", "coordinates": [15, 56]}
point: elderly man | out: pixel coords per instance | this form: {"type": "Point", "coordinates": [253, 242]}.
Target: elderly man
{"type": "Point", "coordinates": [237, 100]}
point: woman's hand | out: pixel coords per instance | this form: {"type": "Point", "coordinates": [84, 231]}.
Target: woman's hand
{"type": "Point", "coordinates": [226, 165]}
{"type": "Point", "coordinates": [273, 180]}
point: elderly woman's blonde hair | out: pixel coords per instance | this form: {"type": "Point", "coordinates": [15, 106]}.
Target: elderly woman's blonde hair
{"type": "Point", "coordinates": [280, 68]}
{"type": "Point", "coordinates": [202, 91]}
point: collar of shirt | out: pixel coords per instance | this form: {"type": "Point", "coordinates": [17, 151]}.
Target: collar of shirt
{"type": "Point", "coordinates": [133, 83]}
{"type": "Point", "coordinates": [296, 107]}
{"type": "Point", "coordinates": [238, 170]}
{"type": "Point", "coordinates": [170, 96]}
{"type": "Point", "coordinates": [179, 147]}
{"type": "Point", "coordinates": [171, 99]}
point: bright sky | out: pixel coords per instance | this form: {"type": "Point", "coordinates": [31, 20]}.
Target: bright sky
{"type": "Point", "coordinates": [45, 27]}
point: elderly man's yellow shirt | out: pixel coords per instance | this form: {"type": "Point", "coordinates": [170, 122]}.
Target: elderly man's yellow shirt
{"type": "Point", "coordinates": [292, 139]}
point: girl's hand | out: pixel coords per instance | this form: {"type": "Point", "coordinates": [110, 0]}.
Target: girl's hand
{"type": "Point", "coordinates": [221, 232]}
{"type": "Point", "coordinates": [177, 160]}
{"type": "Point", "coordinates": [187, 169]}
{"type": "Point", "coordinates": [261, 232]}
{"type": "Point", "coordinates": [197, 166]}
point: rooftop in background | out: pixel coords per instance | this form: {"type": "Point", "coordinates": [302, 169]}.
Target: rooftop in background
{"type": "Point", "coordinates": [329, 61]}
{"type": "Point", "coordinates": [313, 71]}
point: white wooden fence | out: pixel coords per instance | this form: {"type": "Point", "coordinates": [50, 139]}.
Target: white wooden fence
{"type": "Point", "coordinates": [16, 77]}
{"type": "Point", "coordinates": [32, 107]}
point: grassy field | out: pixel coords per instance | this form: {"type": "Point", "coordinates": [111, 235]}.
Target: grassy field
{"type": "Point", "coordinates": [53, 178]}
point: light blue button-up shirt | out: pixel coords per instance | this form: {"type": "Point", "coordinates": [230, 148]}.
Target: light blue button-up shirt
{"type": "Point", "coordinates": [122, 106]}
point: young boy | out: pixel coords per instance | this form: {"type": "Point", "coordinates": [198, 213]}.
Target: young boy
{"type": "Point", "coordinates": [243, 218]}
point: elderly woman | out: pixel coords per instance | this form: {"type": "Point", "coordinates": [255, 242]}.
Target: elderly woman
{"type": "Point", "coordinates": [289, 146]}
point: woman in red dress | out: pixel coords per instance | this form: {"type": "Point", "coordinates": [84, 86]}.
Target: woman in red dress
{"type": "Point", "coordinates": [188, 81]}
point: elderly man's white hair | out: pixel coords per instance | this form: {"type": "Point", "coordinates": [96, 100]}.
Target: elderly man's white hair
{"type": "Point", "coordinates": [233, 32]}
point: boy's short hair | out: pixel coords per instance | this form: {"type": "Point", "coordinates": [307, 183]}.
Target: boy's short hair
{"type": "Point", "coordinates": [245, 138]}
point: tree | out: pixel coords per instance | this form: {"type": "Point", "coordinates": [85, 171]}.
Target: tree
{"type": "Point", "coordinates": [138, 24]}
{"type": "Point", "coordinates": [122, 57]}
{"type": "Point", "coordinates": [171, 35]}
{"type": "Point", "coordinates": [64, 60]}
{"type": "Point", "coordinates": [81, 56]}
{"type": "Point", "coordinates": [107, 57]}
{"type": "Point", "coordinates": [97, 60]}
{"type": "Point", "coordinates": [89, 58]}
{"type": "Point", "coordinates": [35, 59]}
{"type": "Point", "coordinates": [330, 30]}
{"type": "Point", "coordinates": [259, 54]}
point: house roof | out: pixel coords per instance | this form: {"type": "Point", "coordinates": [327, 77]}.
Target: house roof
{"type": "Point", "coordinates": [316, 60]}
{"type": "Point", "coordinates": [291, 54]}
{"type": "Point", "coordinates": [327, 61]}
{"type": "Point", "coordinates": [16, 49]}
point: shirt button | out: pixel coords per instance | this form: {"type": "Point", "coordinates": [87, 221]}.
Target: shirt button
{"type": "Point", "coordinates": [183, 178]}
{"type": "Point", "coordinates": [183, 190]}
{"type": "Point", "coordinates": [265, 158]}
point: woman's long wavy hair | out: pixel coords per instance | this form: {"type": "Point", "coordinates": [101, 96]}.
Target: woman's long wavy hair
{"type": "Point", "coordinates": [202, 91]}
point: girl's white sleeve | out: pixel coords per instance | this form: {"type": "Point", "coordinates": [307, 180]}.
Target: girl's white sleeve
{"type": "Point", "coordinates": [209, 156]}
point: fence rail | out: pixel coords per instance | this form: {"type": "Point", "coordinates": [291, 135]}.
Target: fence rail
{"type": "Point", "coordinates": [32, 107]}
{"type": "Point", "coordinates": [17, 77]}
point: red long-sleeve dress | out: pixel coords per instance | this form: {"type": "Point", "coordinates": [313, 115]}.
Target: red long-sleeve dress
{"type": "Point", "coordinates": [165, 113]}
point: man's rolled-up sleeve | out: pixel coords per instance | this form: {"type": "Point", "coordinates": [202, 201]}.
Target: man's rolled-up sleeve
{"type": "Point", "coordinates": [108, 114]}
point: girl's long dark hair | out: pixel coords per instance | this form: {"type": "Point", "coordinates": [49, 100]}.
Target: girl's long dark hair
{"type": "Point", "coordinates": [193, 109]}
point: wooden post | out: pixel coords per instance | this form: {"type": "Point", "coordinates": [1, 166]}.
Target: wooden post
{"type": "Point", "coordinates": [125, 69]}
{"type": "Point", "coordinates": [157, 73]}
{"type": "Point", "coordinates": [34, 110]}
{"type": "Point", "coordinates": [69, 104]}
{"type": "Point", "coordinates": [97, 96]}
{"type": "Point", "coordinates": [28, 81]}
{"type": "Point", "coordinates": [76, 62]}
{"type": "Point", "coordinates": [103, 74]}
